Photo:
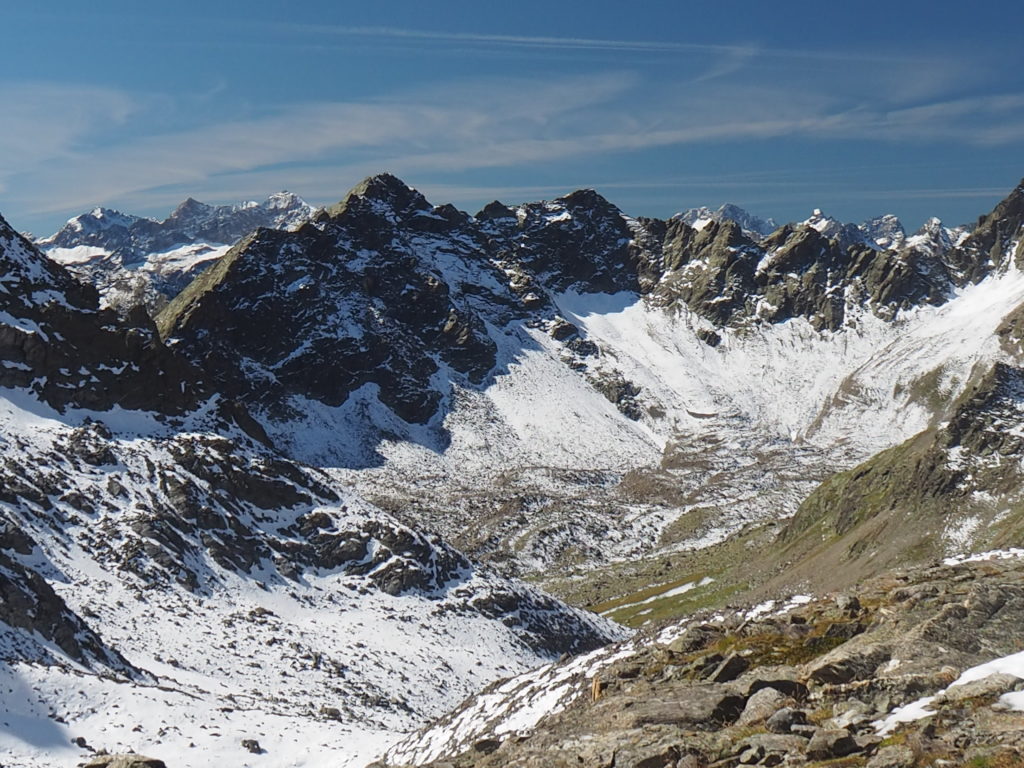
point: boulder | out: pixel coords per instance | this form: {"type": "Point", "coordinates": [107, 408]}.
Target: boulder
{"type": "Point", "coordinates": [828, 743]}
{"type": "Point", "coordinates": [702, 706]}
{"type": "Point", "coordinates": [768, 748]}
{"type": "Point", "coordinates": [783, 720]}
{"type": "Point", "coordinates": [993, 685]}
{"type": "Point", "coordinates": [762, 705]}
{"type": "Point", "coordinates": [130, 760]}
{"type": "Point", "coordinates": [897, 756]}
{"type": "Point", "coordinates": [845, 665]}
{"type": "Point", "coordinates": [731, 667]}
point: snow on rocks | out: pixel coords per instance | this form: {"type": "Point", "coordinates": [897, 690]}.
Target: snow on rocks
{"type": "Point", "coordinates": [322, 660]}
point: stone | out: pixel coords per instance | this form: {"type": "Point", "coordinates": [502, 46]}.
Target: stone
{"type": "Point", "coordinates": [784, 679]}
{"type": "Point", "coordinates": [732, 667]}
{"type": "Point", "coordinates": [701, 706]}
{"type": "Point", "coordinates": [253, 746]}
{"type": "Point", "coordinates": [130, 760]}
{"type": "Point", "coordinates": [751, 755]}
{"type": "Point", "coordinates": [897, 756]}
{"type": "Point", "coordinates": [828, 743]}
{"type": "Point", "coordinates": [868, 742]}
{"type": "Point", "coordinates": [845, 665]}
{"type": "Point", "coordinates": [783, 720]}
{"type": "Point", "coordinates": [486, 746]}
{"type": "Point", "coordinates": [993, 685]}
{"type": "Point", "coordinates": [662, 759]}
{"type": "Point", "coordinates": [695, 638]}
{"type": "Point", "coordinates": [849, 714]}
{"type": "Point", "coordinates": [761, 705]}
{"type": "Point", "coordinates": [848, 604]}
{"type": "Point", "coordinates": [768, 746]}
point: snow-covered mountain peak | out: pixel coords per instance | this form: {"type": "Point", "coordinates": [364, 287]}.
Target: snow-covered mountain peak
{"type": "Point", "coordinates": [932, 238]}
{"type": "Point", "coordinates": [753, 226]}
{"type": "Point", "coordinates": [885, 231]}
{"type": "Point", "coordinates": [382, 194]}
{"type": "Point", "coordinates": [97, 223]}
{"type": "Point", "coordinates": [283, 199]}
{"type": "Point", "coordinates": [845, 234]}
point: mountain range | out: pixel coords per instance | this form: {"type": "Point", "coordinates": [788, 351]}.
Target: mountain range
{"type": "Point", "coordinates": [132, 259]}
{"type": "Point", "coordinates": [296, 482]}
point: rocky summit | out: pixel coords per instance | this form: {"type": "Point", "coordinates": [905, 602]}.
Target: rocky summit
{"type": "Point", "coordinates": [547, 484]}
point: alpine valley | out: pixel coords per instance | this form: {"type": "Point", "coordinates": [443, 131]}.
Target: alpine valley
{"type": "Point", "coordinates": [546, 485]}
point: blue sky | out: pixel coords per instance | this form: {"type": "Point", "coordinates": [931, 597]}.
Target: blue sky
{"type": "Point", "coordinates": [857, 108]}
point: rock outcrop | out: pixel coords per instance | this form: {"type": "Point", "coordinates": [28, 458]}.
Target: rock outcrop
{"type": "Point", "coordinates": [821, 686]}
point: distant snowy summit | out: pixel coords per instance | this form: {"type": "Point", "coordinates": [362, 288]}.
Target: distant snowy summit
{"type": "Point", "coordinates": [132, 258]}
{"type": "Point", "coordinates": [131, 237]}
{"type": "Point", "coordinates": [752, 226]}
{"type": "Point", "coordinates": [885, 232]}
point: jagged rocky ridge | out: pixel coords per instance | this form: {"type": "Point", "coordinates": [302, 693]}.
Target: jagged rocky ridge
{"type": "Point", "coordinates": [158, 556]}
{"type": "Point", "coordinates": [385, 289]}
{"type": "Point", "coordinates": [58, 343]}
{"type": "Point", "coordinates": [131, 259]}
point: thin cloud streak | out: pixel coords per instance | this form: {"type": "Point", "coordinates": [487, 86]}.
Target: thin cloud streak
{"type": "Point", "coordinates": [452, 128]}
{"type": "Point", "coordinates": [597, 44]}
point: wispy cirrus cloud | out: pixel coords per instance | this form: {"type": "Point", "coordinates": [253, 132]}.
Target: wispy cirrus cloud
{"type": "Point", "coordinates": [533, 43]}
{"type": "Point", "coordinates": [43, 121]}
{"type": "Point", "coordinates": [54, 149]}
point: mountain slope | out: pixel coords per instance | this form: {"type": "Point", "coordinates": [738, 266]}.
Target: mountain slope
{"type": "Point", "coordinates": [168, 580]}
{"type": "Point", "coordinates": [708, 382]}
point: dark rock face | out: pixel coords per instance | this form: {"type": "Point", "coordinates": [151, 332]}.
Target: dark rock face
{"type": "Point", "coordinates": [711, 271]}
{"type": "Point", "coordinates": [28, 603]}
{"type": "Point", "coordinates": [385, 290]}
{"type": "Point", "coordinates": [884, 231]}
{"type": "Point", "coordinates": [56, 342]}
{"type": "Point", "coordinates": [361, 298]}
{"type": "Point", "coordinates": [579, 242]}
{"type": "Point", "coordinates": [987, 246]}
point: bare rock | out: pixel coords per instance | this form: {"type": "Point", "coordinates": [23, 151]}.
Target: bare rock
{"type": "Point", "coordinates": [702, 707]}
{"type": "Point", "coordinates": [845, 665]}
{"type": "Point", "coordinates": [993, 685]}
{"type": "Point", "coordinates": [783, 720]}
{"type": "Point", "coordinates": [130, 760]}
{"type": "Point", "coordinates": [762, 705]}
{"type": "Point", "coordinates": [828, 743]}
{"type": "Point", "coordinates": [897, 756]}
{"type": "Point", "coordinates": [732, 667]}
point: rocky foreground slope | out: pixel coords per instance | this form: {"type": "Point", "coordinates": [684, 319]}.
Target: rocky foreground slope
{"type": "Point", "coordinates": [918, 667]}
